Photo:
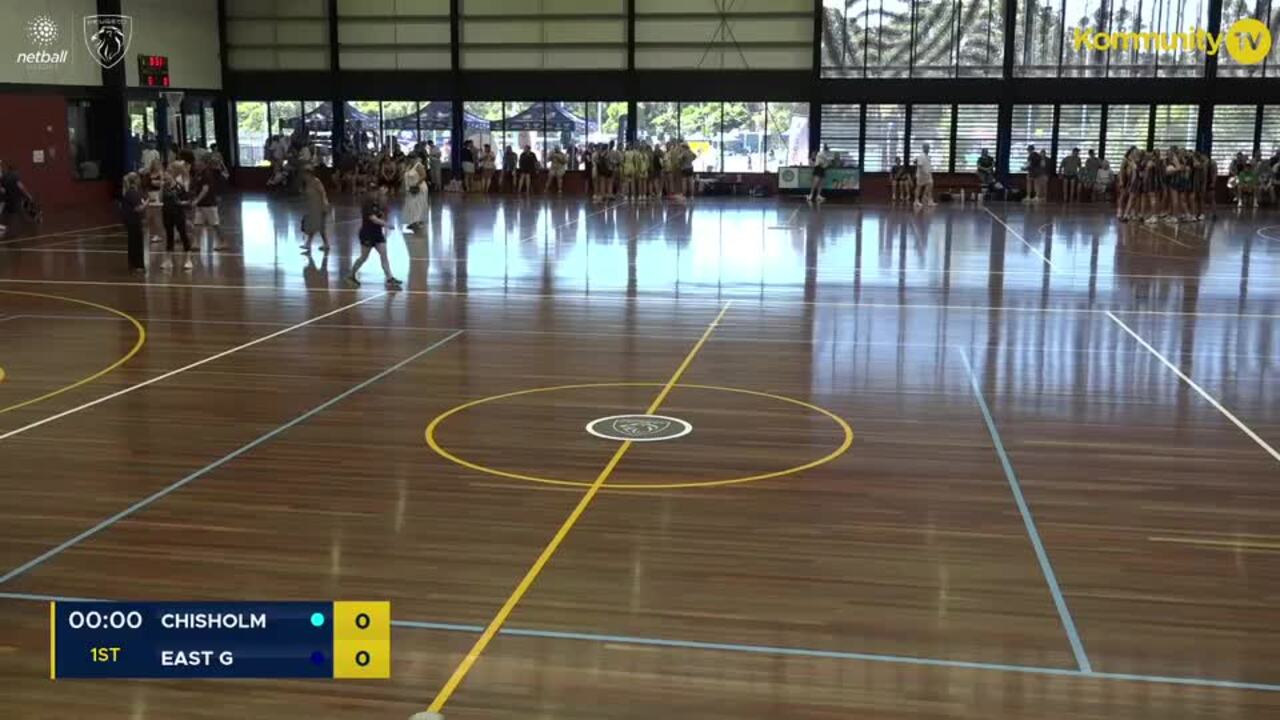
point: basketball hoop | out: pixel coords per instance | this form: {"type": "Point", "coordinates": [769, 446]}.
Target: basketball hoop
{"type": "Point", "coordinates": [174, 99]}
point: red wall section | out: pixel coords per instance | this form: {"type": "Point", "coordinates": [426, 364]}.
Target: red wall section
{"type": "Point", "coordinates": [39, 122]}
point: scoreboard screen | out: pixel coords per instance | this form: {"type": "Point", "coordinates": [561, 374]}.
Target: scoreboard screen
{"type": "Point", "coordinates": [153, 71]}
{"type": "Point", "coordinates": [220, 640]}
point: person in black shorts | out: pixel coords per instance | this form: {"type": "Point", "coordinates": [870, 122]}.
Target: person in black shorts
{"type": "Point", "coordinates": [132, 205]}
{"type": "Point", "coordinates": [528, 166]}
{"type": "Point", "coordinates": [373, 223]}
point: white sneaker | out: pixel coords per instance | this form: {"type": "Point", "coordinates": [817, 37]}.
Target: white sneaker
{"type": "Point", "coordinates": [821, 199]}
{"type": "Point", "coordinates": [166, 265]}
{"type": "Point", "coordinates": [917, 205]}
{"type": "Point", "coordinates": [188, 265]}
{"type": "Point", "coordinates": [1151, 220]}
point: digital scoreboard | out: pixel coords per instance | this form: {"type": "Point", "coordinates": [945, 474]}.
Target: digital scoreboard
{"type": "Point", "coordinates": [220, 640]}
{"type": "Point", "coordinates": [153, 71]}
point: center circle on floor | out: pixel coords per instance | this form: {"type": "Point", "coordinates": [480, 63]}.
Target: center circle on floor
{"type": "Point", "coordinates": [737, 429]}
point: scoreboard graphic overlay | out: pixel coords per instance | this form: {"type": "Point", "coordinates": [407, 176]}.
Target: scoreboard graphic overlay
{"type": "Point", "coordinates": [347, 640]}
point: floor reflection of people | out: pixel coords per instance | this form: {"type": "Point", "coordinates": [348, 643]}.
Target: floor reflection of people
{"type": "Point", "coordinates": [316, 275]}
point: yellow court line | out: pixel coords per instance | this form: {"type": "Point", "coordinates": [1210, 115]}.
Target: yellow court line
{"type": "Point", "coordinates": [137, 346]}
{"type": "Point", "coordinates": [518, 594]}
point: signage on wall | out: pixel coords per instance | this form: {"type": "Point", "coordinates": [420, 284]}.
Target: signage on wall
{"type": "Point", "coordinates": [153, 71]}
{"type": "Point", "coordinates": [105, 36]}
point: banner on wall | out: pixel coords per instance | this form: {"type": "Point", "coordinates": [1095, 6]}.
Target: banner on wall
{"type": "Point", "coordinates": [800, 177]}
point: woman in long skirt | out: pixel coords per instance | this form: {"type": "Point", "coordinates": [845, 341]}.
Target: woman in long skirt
{"type": "Point", "coordinates": [317, 210]}
{"type": "Point", "coordinates": [415, 197]}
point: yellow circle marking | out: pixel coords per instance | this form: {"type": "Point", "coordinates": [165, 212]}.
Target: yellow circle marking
{"type": "Point", "coordinates": [1248, 41]}
{"type": "Point", "coordinates": [839, 421]}
{"type": "Point", "coordinates": [137, 346]}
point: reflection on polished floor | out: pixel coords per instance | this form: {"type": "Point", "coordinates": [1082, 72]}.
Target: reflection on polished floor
{"type": "Point", "coordinates": [973, 463]}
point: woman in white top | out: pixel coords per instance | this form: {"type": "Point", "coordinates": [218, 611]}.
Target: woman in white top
{"type": "Point", "coordinates": [415, 209]}
{"type": "Point", "coordinates": [557, 162]}
{"type": "Point", "coordinates": [821, 160]}
{"type": "Point", "coordinates": [924, 179]}
{"type": "Point", "coordinates": [488, 163]}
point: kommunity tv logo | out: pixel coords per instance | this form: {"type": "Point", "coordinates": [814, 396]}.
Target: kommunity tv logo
{"type": "Point", "coordinates": [1247, 41]}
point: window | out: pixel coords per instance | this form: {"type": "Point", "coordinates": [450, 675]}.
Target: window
{"type": "Point", "coordinates": [744, 136]}
{"type": "Point", "coordinates": [1270, 140]}
{"type": "Point", "coordinates": [487, 115]}
{"type": "Point", "coordinates": [787, 142]}
{"type": "Point", "coordinates": [1233, 127]}
{"type": "Point", "coordinates": [435, 124]}
{"type": "Point", "coordinates": [362, 121]}
{"type": "Point", "coordinates": [700, 128]}
{"type": "Point", "coordinates": [885, 132]}
{"type": "Point", "coordinates": [284, 116]}
{"type": "Point", "coordinates": [657, 122]}
{"type": "Point", "coordinates": [931, 125]}
{"type": "Point", "coordinates": [975, 132]}
{"type": "Point", "coordinates": [251, 133]}
{"type": "Point", "coordinates": [920, 38]}
{"type": "Point", "coordinates": [1079, 126]}
{"type": "Point", "coordinates": [1127, 125]}
{"type": "Point", "coordinates": [1032, 125]}
{"type": "Point", "coordinates": [1176, 125]}
{"type": "Point", "coordinates": [1045, 34]}
{"type": "Point", "coordinates": [841, 129]}
{"type": "Point", "coordinates": [317, 118]}
{"type": "Point", "coordinates": [1233, 10]}
{"type": "Point", "coordinates": [886, 38]}
{"type": "Point", "coordinates": [981, 50]}
{"type": "Point", "coordinates": [933, 40]}
{"type": "Point", "coordinates": [393, 35]}
{"type": "Point", "coordinates": [86, 163]}
{"type": "Point", "coordinates": [1037, 37]}
{"type": "Point", "coordinates": [399, 124]}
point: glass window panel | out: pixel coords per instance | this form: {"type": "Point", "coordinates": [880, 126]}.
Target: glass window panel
{"type": "Point", "coordinates": [1233, 127]}
{"type": "Point", "coordinates": [934, 38]}
{"type": "Point", "coordinates": [787, 142]}
{"type": "Point", "coordinates": [1083, 61]}
{"type": "Point", "coordinates": [478, 111]}
{"type": "Point", "coordinates": [317, 117]}
{"type": "Point", "coordinates": [885, 40]}
{"type": "Point", "coordinates": [840, 25]}
{"type": "Point", "coordinates": [1233, 10]}
{"type": "Point", "coordinates": [657, 122]}
{"type": "Point", "coordinates": [1079, 126]}
{"type": "Point", "coordinates": [1174, 17]}
{"type": "Point", "coordinates": [932, 124]}
{"type": "Point", "coordinates": [975, 131]}
{"type": "Point", "coordinates": [284, 116]}
{"type": "Point", "coordinates": [251, 133]}
{"type": "Point", "coordinates": [885, 132]}
{"type": "Point", "coordinates": [981, 26]}
{"type": "Point", "coordinates": [363, 125]}
{"type": "Point", "coordinates": [523, 124]}
{"type": "Point", "coordinates": [399, 124]}
{"type": "Point", "coordinates": [841, 128]}
{"type": "Point", "coordinates": [1037, 32]}
{"type": "Point", "coordinates": [1032, 125]}
{"type": "Point", "coordinates": [1127, 126]}
{"type": "Point", "coordinates": [1270, 142]}
{"type": "Point", "coordinates": [436, 125]}
{"type": "Point", "coordinates": [700, 128]}
{"type": "Point", "coordinates": [210, 129]}
{"type": "Point", "coordinates": [1176, 125]}
{"type": "Point", "coordinates": [567, 124]}
{"type": "Point", "coordinates": [744, 137]}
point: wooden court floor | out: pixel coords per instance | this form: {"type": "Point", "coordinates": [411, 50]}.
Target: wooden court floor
{"type": "Point", "coordinates": [975, 463]}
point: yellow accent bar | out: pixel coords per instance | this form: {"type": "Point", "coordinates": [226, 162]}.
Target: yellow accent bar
{"type": "Point", "coordinates": [362, 640]}
{"type": "Point", "coordinates": [518, 594]}
{"type": "Point", "coordinates": [53, 640]}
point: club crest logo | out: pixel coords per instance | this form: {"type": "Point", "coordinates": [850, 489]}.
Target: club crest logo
{"type": "Point", "coordinates": [639, 428]}
{"type": "Point", "coordinates": [107, 37]}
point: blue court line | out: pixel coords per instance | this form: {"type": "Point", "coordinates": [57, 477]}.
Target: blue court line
{"type": "Point", "coordinates": [218, 463]}
{"type": "Point", "coordinates": [773, 650]}
{"type": "Point", "coordinates": [1046, 568]}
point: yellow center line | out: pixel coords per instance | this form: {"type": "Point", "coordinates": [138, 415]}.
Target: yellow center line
{"type": "Point", "coordinates": [531, 576]}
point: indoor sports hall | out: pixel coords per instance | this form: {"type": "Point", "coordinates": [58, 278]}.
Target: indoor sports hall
{"type": "Point", "coordinates": [788, 367]}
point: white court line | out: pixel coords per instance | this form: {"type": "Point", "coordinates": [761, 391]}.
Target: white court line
{"type": "Point", "coordinates": [184, 368]}
{"type": "Point", "coordinates": [1017, 235]}
{"type": "Point", "coordinates": [1192, 383]}
{"type": "Point", "coordinates": [57, 234]}
{"type": "Point", "coordinates": [1264, 232]}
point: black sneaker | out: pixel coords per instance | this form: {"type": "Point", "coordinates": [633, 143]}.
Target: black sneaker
{"type": "Point", "coordinates": [352, 279]}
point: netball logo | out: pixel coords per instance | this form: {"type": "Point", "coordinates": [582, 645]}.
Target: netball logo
{"type": "Point", "coordinates": [107, 37]}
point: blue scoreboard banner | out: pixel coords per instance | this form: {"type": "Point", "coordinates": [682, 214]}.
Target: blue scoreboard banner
{"type": "Point", "coordinates": [220, 640]}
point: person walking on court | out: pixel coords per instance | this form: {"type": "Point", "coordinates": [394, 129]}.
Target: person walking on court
{"type": "Point", "coordinates": [373, 224]}
{"type": "Point", "coordinates": [924, 179]}
{"type": "Point", "coordinates": [317, 210]}
{"type": "Point", "coordinates": [132, 206]}
{"type": "Point", "coordinates": [821, 160]}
